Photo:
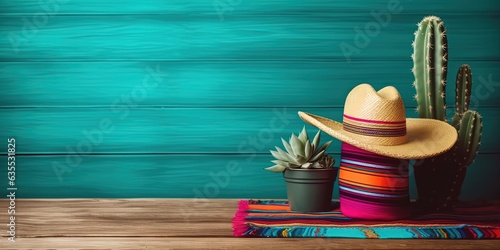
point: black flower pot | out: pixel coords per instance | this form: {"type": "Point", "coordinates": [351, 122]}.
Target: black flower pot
{"type": "Point", "coordinates": [310, 190]}
{"type": "Point", "coordinates": [438, 185]}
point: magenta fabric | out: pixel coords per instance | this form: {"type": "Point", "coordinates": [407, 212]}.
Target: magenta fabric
{"type": "Point", "coordinates": [372, 186]}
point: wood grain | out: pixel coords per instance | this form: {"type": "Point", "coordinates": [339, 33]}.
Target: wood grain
{"type": "Point", "coordinates": [195, 176]}
{"type": "Point", "coordinates": [154, 176]}
{"type": "Point", "coordinates": [249, 244]}
{"type": "Point", "coordinates": [134, 217]}
{"type": "Point", "coordinates": [157, 223]}
{"type": "Point", "coordinates": [173, 130]}
{"type": "Point", "coordinates": [238, 7]}
{"type": "Point", "coordinates": [166, 37]}
{"type": "Point", "coordinates": [216, 83]}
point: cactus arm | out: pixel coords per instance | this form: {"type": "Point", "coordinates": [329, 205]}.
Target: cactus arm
{"type": "Point", "coordinates": [430, 59]}
{"type": "Point", "coordinates": [464, 87]}
{"type": "Point", "coordinates": [469, 138]}
{"type": "Point", "coordinates": [463, 92]}
{"type": "Point", "coordinates": [440, 69]}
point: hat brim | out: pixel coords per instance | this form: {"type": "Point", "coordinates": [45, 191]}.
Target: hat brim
{"type": "Point", "coordinates": [426, 137]}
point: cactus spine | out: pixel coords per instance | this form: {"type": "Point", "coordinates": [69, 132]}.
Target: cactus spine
{"type": "Point", "coordinates": [438, 181]}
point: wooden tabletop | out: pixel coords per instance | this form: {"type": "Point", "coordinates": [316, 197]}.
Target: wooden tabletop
{"type": "Point", "coordinates": [165, 224]}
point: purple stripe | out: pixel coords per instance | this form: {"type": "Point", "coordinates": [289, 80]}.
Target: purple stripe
{"type": "Point", "coordinates": [374, 194]}
{"type": "Point", "coordinates": [381, 132]}
{"type": "Point", "coordinates": [365, 164]}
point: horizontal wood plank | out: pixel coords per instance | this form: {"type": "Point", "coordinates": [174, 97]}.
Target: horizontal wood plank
{"type": "Point", "coordinates": [149, 223]}
{"type": "Point", "coordinates": [164, 37]}
{"type": "Point", "coordinates": [219, 83]}
{"type": "Point", "coordinates": [148, 176]}
{"type": "Point", "coordinates": [174, 130]}
{"type": "Point", "coordinates": [218, 243]}
{"type": "Point", "coordinates": [147, 217]}
{"type": "Point", "coordinates": [237, 7]}
{"type": "Point", "coordinates": [188, 176]}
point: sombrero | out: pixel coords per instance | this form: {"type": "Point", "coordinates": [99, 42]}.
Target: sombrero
{"type": "Point", "coordinates": [376, 122]}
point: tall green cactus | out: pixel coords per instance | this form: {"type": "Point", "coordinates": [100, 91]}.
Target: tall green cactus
{"type": "Point", "coordinates": [430, 60]}
{"type": "Point", "coordinates": [440, 178]}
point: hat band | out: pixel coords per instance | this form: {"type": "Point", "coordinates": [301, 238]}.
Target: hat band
{"type": "Point", "coordinates": [373, 127]}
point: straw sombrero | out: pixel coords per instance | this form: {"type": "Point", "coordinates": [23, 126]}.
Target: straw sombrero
{"type": "Point", "coordinates": [376, 122]}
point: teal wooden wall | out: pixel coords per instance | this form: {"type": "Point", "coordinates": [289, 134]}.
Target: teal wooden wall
{"type": "Point", "coordinates": [167, 98]}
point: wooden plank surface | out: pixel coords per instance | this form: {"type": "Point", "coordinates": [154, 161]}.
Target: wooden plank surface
{"type": "Point", "coordinates": [189, 176]}
{"type": "Point", "coordinates": [174, 130]}
{"type": "Point", "coordinates": [123, 217]}
{"type": "Point", "coordinates": [166, 224]}
{"type": "Point", "coordinates": [327, 37]}
{"type": "Point", "coordinates": [237, 7]}
{"type": "Point", "coordinates": [218, 243]}
{"type": "Point", "coordinates": [218, 83]}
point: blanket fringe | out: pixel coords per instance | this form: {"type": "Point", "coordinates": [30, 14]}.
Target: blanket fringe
{"type": "Point", "coordinates": [239, 225]}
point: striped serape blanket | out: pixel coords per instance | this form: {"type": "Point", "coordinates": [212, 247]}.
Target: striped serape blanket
{"type": "Point", "coordinates": [257, 218]}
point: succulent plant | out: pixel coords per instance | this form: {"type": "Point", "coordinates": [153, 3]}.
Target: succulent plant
{"type": "Point", "coordinates": [440, 178]}
{"type": "Point", "coordinates": [300, 152]}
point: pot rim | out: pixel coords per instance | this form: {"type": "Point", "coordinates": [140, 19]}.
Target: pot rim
{"type": "Point", "coordinates": [312, 169]}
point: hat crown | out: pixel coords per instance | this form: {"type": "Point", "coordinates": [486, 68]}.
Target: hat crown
{"type": "Point", "coordinates": [366, 103]}
{"type": "Point", "coordinates": [379, 116]}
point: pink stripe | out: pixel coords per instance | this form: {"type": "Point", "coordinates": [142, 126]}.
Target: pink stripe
{"type": "Point", "coordinates": [373, 121]}
{"type": "Point", "coordinates": [349, 147]}
{"type": "Point", "coordinates": [360, 210]}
